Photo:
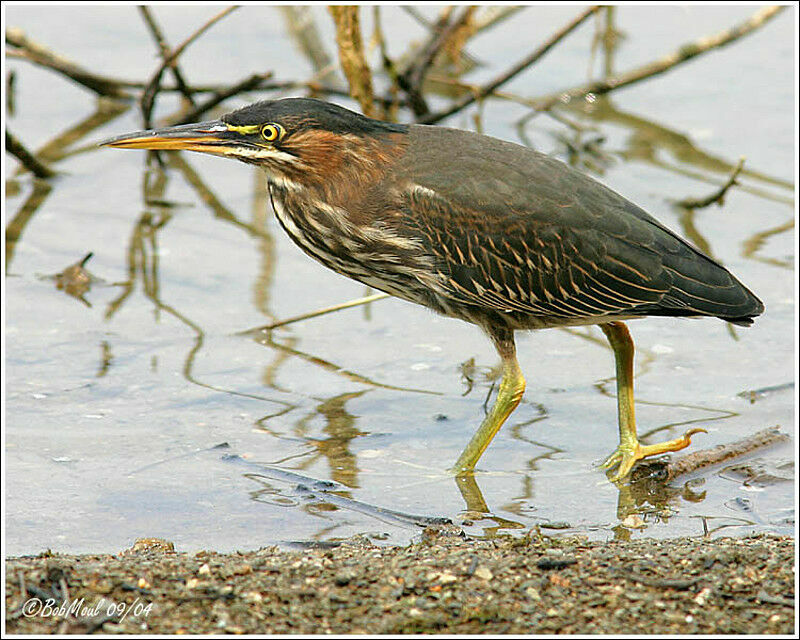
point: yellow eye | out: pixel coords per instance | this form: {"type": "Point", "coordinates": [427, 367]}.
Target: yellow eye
{"type": "Point", "coordinates": [272, 132]}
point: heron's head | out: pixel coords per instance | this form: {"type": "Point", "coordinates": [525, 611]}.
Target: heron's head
{"type": "Point", "coordinates": [292, 138]}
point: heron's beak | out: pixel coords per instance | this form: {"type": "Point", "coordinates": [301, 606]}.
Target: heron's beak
{"type": "Point", "coordinates": [207, 137]}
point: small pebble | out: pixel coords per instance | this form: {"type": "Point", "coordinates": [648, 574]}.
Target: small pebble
{"type": "Point", "coordinates": [483, 573]}
{"type": "Point", "coordinates": [554, 563]}
{"type": "Point", "coordinates": [633, 521]}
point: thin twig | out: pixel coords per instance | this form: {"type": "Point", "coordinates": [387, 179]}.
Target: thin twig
{"type": "Point", "coordinates": [662, 65]}
{"type": "Point", "coordinates": [318, 312]}
{"type": "Point", "coordinates": [177, 52]}
{"type": "Point", "coordinates": [717, 196]}
{"type": "Point", "coordinates": [29, 161]}
{"type": "Point", "coordinates": [11, 78]}
{"type": "Point", "coordinates": [281, 85]}
{"type": "Point", "coordinates": [415, 13]}
{"type": "Point", "coordinates": [27, 49]}
{"type": "Point", "coordinates": [161, 41]}
{"type": "Point", "coordinates": [492, 16]}
{"type": "Point", "coordinates": [301, 25]}
{"type": "Point", "coordinates": [248, 84]}
{"type": "Point", "coordinates": [516, 69]}
{"type": "Point", "coordinates": [148, 97]}
{"type": "Point", "coordinates": [116, 87]}
{"type": "Point", "coordinates": [412, 79]}
{"type": "Point", "coordinates": [752, 395]}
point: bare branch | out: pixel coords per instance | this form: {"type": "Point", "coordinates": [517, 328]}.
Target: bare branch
{"type": "Point", "coordinates": [412, 79]}
{"type": "Point", "coordinates": [301, 25]}
{"type": "Point", "coordinates": [516, 69]}
{"type": "Point", "coordinates": [148, 97]}
{"type": "Point", "coordinates": [161, 41]}
{"type": "Point", "coordinates": [11, 92]}
{"type": "Point", "coordinates": [494, 15]}
{"type": "Point", "coordinates": [29, 161]}
{"type": "Point", "coordinates": [662, 65]}
{"type": "Point", "coordinates": [27, 49]}
{"type": "Point", "coordinates": [248, 84]}
{"type": "Point", "coordinates": [689, 462]}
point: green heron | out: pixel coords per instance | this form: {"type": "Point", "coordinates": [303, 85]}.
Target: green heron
{"type": "Point", "coordinates": [474, 228]}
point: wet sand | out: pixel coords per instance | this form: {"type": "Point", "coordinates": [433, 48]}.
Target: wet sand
{"type": "Point", "coordinates": [445, 583]}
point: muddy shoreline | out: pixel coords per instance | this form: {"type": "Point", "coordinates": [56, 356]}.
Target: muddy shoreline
{"type": "Point", "coordinates": [445, 583]}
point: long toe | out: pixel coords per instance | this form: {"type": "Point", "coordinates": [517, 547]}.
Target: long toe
{"type": "Point", "coordinates": [612, 460]}
{"type": "Point", "coordinates": [626, 456]}
{"type": "Point", "coordinates": [670, 445]}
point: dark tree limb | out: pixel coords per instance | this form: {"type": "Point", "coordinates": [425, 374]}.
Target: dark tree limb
{"type": "Point", "coordinates": [152, 88]}
{"type": "Point", "coordinates": [11, 92]}
{"type": "Point", "coordinates": [28, 160]}
{"type": "Point", "coordinates": [412, 79]}
{"type": "Point", "coordinates": [515, 70]}
{"type": "Point", "coordinates": [27, 49]}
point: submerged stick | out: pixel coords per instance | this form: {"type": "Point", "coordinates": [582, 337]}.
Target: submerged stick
{"type": "Point", "coordinates": [689, 462]}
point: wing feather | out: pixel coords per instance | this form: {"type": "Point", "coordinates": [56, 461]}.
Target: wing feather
{"type": "Point", "coordinates": [513, 230]}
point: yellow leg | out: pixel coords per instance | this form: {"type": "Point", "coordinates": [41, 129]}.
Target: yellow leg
{"type": "Point", "coordinates": [629, 450]}
{"type": "Point", "coordinates": [512, 386]}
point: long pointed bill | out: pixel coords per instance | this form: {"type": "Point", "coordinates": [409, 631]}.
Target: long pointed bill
{"type": "Point", "coordinates": [207, 137]}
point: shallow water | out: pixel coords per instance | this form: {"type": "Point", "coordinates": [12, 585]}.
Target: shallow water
{"type": "Point", "coordinates": [115, 402]}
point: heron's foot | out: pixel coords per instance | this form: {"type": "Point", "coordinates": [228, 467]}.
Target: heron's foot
{"type": "Point", "coordinates": [627, 454]}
